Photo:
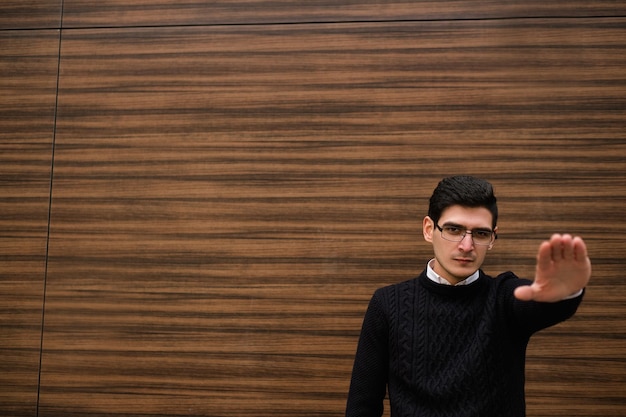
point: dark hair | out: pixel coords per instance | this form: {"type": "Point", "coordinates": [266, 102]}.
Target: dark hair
{"type": "Point", "coordinates": [462, 190]}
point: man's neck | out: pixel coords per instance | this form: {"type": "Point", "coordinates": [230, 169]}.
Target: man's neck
{"type": "Point", "coordinates": [435, 277]}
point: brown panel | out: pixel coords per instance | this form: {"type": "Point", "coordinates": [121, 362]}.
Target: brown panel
{"type": "Point", "coordinates": [226, 200]}
{"type": "Point", "coordinates": [590, 350]}
{"type": "Point", "coordinates": [30, 14]}
{"type": "Point", "coordinates": [28, 64]}
{"type": "Point", "coordinates": [116, 13]}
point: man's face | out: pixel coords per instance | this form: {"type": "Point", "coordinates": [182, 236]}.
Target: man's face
{"type": "Point", "coordinates": [456, 261]}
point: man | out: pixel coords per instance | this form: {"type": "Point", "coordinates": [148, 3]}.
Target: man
{"type": "Point", "coordinates": [452, 342]}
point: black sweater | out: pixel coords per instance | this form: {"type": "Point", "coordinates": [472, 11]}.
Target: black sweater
{"type": "Point", "coordinates": [448, 351]}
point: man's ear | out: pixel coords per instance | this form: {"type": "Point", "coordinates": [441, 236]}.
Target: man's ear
{"type": "Point", "coordinates": [428, 228]}
{"type": "Point", "coordinates": [495, 230]}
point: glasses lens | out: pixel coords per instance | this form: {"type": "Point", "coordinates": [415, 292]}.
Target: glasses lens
{"type": "Point", "coordinates": [456, 234]}
{"type": "Point", "coordinates": [482, 237]}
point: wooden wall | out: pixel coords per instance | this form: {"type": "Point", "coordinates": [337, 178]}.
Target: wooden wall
{"type": "Point", "coordinates": [197, 199]}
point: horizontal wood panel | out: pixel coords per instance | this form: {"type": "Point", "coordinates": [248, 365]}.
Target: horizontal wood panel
{"type": "Point", "coordinates": [117, 13]}
{"type": "Point", "coordinates": [578, 367]}
{"type": "Point", "coordinates": [226, 200]}
{"type": "Point", "coordinates": [28, 64]}
{"type": "Point", "coordinates": [30, 14]}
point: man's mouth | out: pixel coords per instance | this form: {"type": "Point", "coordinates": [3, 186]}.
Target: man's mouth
{"type": "Point", "coordinates": [464, 260]}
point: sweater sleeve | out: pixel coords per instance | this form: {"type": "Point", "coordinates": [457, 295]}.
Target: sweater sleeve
{"type": "Point", "coordinates": [369, 375]}
{"type": "Point", "coordinates": [532, 316]}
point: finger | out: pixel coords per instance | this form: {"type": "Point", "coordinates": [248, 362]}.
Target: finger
{"type": "Point", "coordinates": [524, 293]}
{"type": "Point", "coordinates": [580, 249]}
{"type": "Point", "coordinates": [567, 247]}
{"type": "Point", "coordinates": [544, 255]}
{"type": "Point", "coordinates": [556, 242]}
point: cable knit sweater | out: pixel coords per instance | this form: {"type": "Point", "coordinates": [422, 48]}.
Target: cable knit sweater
{"type": "Point", "coordinates": [448, 351]}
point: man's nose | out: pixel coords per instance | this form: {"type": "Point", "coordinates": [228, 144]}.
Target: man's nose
{"type": "Point", "coordinates": [467, 243]}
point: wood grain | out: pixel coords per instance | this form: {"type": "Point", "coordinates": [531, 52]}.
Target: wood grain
{"type": "Point", "coordinates": [30, 14]}
{"type": "Point", "coordinates": [28, 64]}
{"type": "Point", "coordinates": [226, 199]}
{"type": "Point", "coordinates": [118, 13]}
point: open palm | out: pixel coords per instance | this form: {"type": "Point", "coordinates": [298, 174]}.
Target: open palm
{"type": "Point", "coordinates": [563, 268]}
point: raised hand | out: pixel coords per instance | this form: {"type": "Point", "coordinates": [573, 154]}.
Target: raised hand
{"type": "Point", "coordinates": [563, 268]}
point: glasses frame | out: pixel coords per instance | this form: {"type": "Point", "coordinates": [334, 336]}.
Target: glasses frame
{"type": "Point", "coordinates": [494, 235]}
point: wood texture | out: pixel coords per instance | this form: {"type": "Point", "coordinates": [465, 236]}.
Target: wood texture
{"type": "Point", "coordinates": [28, 64]}
{"type": "Point", "coordinates": [30, 14]}
{"type": "Point", "coordinates": [226, 200]}
{"type": "Point", "coordinates": [118, 13]}
{"type": "Point", "coordinates": [226, 196]}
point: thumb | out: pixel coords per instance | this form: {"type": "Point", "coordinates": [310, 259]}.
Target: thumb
{"type": "Point", "coordinates": [524, 293]}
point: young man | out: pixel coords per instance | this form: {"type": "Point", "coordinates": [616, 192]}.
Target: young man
{"type": "Point", "coordinates": [452, 342]}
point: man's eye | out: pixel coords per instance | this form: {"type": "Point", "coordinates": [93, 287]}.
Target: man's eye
{"type": "Point", "coordinates": [453, 230]}
{"type": "Point", "coordinates": [482, 234]}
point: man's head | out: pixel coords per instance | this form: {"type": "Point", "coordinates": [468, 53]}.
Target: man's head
{"type": "Point", "coordinates": [461, 225]}
{"type": "Point", "coordinates": [466, 191]}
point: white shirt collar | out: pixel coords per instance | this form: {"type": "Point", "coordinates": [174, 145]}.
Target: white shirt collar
{"type": "Point", "coordinates": [435, 277]}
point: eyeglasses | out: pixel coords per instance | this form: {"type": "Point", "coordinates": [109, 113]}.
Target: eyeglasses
{"type": "Point", "coordinates": [483, 237]}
